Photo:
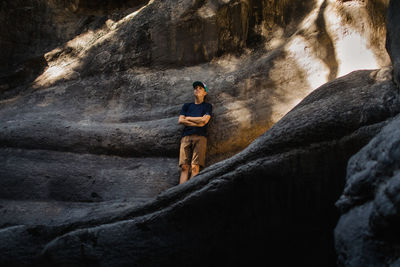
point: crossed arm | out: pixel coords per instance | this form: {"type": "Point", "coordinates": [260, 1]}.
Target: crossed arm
{"type": "Point", "coordinates": [194, 121]}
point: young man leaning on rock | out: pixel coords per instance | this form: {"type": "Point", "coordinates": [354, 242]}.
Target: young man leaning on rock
{"type": "Point", "coordinates": [195, 116]}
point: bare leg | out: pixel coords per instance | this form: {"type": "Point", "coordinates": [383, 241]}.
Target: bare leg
{"type": "Point", "coordinates": [195, 170]}
{"type": "Point", "coordinates": [184, 174]}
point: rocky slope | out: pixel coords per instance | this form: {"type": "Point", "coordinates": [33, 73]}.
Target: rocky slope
{"type": "Point", "coordinates": [273, 198]}
{"type": "Point", "coordinates": [113, 84]}
{"type": "Point", "coordinates": [89, 134]}
{"type": "Point", "coordinates": [367, 232]}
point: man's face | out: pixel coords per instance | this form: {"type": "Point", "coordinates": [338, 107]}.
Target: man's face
{"type": "Point", "coordinates": [199, 91]}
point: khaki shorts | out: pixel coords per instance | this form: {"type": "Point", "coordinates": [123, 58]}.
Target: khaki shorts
{"type": "Point", "coordinates": [193, 150]}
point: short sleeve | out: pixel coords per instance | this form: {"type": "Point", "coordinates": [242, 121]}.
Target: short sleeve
{"type": "Point", "coordinates": [184, 109]}
{"type": "Point", "coordinates": [208, 109]}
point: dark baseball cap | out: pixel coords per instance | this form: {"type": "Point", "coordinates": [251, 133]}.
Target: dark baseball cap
{"type": "Point", "coordinates": [201, 84]}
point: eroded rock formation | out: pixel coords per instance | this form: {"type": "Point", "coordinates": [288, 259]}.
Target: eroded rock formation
{"type": "Point", "coordinates": [238, 210]}
{"type": "Point", "coordinates": [392, 40]}
{"type": "Point", "coordinates": [89, 133]}
{"type": "Point", "coordinates": [367, 232]}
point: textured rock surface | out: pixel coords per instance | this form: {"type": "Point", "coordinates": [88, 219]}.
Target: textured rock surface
{"type": "Point", "coordinates": [81, 178]}
{"type": "Point", "coordinates": [273, 198]}
{"type": "Point", "coordinates": [392, 39]}
{"type": "Point", "coordinates": [367, 233]}
{"type": "Point", "coordinates": [89, 97]}
{"type": "Point", "coordinates": [113, 84]}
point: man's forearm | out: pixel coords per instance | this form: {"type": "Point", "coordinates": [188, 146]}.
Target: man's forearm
{"type": "Point", "coordinates": [195, 119]}
{"type": "Point", "coordinates": [188, 122]}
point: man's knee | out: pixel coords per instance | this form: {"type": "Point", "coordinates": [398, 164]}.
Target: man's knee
{"type": "Point", "coordinates": [195, 167]}
{"type": "Point", "coordinates": [185, 167]}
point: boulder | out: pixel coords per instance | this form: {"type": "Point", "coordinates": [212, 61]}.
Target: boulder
{"type": "Point", "coordinates": [367, 232]}
{"type": "Point", "coordinates": [272, 199]}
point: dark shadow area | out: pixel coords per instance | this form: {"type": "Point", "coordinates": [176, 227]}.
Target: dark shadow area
{"type": "Point", "coordinates": [325, 44]}
{"type": "Point", "coordinates": [12, 82]}
{"type": "Point", "coordinates": [272, 14]}
{"type": "Point", "coordinates": [377, 12]}
{"type": "Point", "coordinates": [28, 30]}
{"type": "Point", "coordinates": [393, 40]}
{"type": "Point", "coordinates": [106, 7]}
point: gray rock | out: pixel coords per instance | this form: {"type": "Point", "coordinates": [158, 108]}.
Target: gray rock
{"type": "Point", "coordinates": [47, 175]}
{"type": "Point", "coordinates": [367, 233]}
{"type": "Point", "coordinates": [392, 38]}
{"type": "Point", "coordinates": [90, 93]}
{"type": "Point", "coordinates": [101, 91]}
{"type": "Point", "coordinates": [273, 198]}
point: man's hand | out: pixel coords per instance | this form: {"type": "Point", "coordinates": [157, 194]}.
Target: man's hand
{"type": "Point", "coordinates": [194, 121]}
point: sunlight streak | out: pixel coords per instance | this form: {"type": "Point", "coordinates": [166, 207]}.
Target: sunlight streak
{"type": "Point", "coordinates": [239, 113]}
{"type": "Point", "coordinates": [63, 61]}
{"type": "Point", "coordinates": [130, 16]}
{"type": "Point", "coordinates": [351, 45]}
{"type": "Point", "coordinates": [315, 69]}
{"type": "Point", "coordinates": [353, 54]}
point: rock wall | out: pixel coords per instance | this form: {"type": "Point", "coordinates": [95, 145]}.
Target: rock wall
{"type": "Point", "coordinates": [292, 48]}
{"type": "Point", "coordinates": [29, 29]}
{"type": "Point", "coordinates": [274, 198]}
{"type": "Point", "coordinates": [113, 84]}
{"type": "Point", "coordinates": [392, 43]}
{"type": "Point", "coordinates": [89, 136]}
{"type": "Point", "coordinates": [366, 234]}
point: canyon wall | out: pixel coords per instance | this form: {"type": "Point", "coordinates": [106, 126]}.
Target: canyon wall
{"type": "Point", "coordinates": [90, 94]}
{"type": "Point", "coordinates": [366, 233]}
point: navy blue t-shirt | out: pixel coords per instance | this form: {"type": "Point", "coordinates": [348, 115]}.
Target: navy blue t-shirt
{"type": "Point", "coordinates": [195, 110]}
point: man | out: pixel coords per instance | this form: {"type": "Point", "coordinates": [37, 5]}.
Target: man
{"type": "Point", "coordinates": [195, 116]}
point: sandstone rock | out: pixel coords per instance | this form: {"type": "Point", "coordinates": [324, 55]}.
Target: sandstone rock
{"type": "Point", "coordinates": [92, 93]}
{"type": "Point", "coordinates": [102, 77]}
{"type": "Point", "coordinates": [233, 211]}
